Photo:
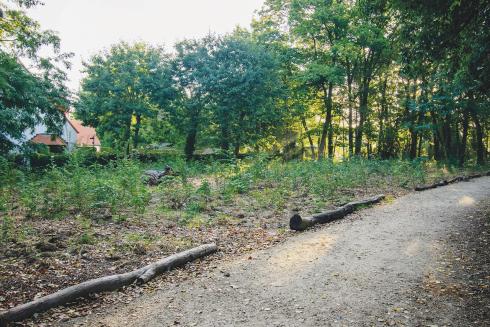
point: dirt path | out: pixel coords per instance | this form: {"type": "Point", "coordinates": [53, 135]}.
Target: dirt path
{"type": "Point", "coordinates": [410, 262]}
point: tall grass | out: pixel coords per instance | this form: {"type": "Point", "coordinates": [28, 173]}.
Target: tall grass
{"type": "Point", "coordinates": [117, 192]}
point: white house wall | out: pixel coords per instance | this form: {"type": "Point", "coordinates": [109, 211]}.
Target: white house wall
{"type": "Point", "coordinates": [68, 134]}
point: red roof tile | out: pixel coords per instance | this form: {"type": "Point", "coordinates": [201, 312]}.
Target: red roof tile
{"type": "Point", "coordinates": [48, 139]}
{"type": "Point", "coordinates": [87, 136]}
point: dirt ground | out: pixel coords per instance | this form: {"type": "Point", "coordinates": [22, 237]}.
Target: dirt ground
{"type": "Point", "coordinates": [421, 260]}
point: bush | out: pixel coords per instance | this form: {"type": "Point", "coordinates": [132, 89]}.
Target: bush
{"type": "Point", "coordinates": [97, 192]}
{"type": "Point", "coordinates": [43, 160]}
{"type": "Point", "coordinates": [161, 155]}
{"type": "Point", "coordinates": [88, 156]}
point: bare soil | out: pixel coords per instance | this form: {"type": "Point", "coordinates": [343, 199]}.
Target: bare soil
{"type": "Point", "coordinates": [421, 260]}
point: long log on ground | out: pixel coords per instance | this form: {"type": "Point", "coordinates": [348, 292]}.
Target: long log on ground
{"type": "Point", "coordinates": [431, 186]}
{"type": "Point", "coordinates": [451, 181]}
{"type": "Point", "coordinates": [104, 284]}
{"type": "Point", "coordinates": [457, 179]}
{"type": "Point", "coordinates": [302, 223]}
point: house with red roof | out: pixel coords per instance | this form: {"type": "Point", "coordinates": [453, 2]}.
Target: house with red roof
{"type": "Point", "coordinates": [86, 136]}
{"type": "Point", "coordinates": [73, 134]}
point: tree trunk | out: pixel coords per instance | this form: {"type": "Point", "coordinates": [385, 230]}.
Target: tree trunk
{"type": "Point", "coordinates": [327, 124]}
{"type": "Point", "coordinates": [413, 123]}
{"type": "Point", "coordinates": [225, 134]}
{"type": "Point", "coordinates": [137, 127]}
{"type": "Point", "coordinates": [480, 147]}
{"type": "Point", "coordinates": [310, 140]}
{"type": "Point", "coordinates": [236, 151]}
{"type": "Point", "coordinates": [298, 223]}
{"type": "Point", "coordinates": [419, 149]}
{"type": "Point", "coordinates": [190, 142]}
{"type": "Point", "coordinates": [383, 115]}
{"type": "Point", "coordinates": [330, 122]}
{"type": "Point", "coordinates": [351, 130]}
{"type": "Point", "coordinates": [464, 138]}
{"type": "Point", "coordinates": [447, 136]}
{"type": "Point", "coordinates": [436, 137]}
{"type": "Point", "coordinates": [363, 110]}
{"type": "Point", "coordinates": [127, 136]}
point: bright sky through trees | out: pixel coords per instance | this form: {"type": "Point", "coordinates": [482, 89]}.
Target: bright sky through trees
{"type": "Point", "coordinates": [88, 26]}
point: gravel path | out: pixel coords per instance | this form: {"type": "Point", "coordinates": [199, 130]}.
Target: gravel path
{"type": "Point", "coordinates": [392, 264]}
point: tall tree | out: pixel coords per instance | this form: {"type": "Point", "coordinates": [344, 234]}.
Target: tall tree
{"type": "Point", "coordinates": [244, 86]}
{"type": "Point", "coordinates": [124, 86]}
{"type": "Point", "coordinates": [32, 88]}
{"type": "Point", "coordinates": [190, 70]}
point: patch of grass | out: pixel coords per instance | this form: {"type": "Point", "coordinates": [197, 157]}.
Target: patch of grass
{"type": "Point", "coordinates": [86, 238]}
{"type": "Point", "coordinates": [115, 190]}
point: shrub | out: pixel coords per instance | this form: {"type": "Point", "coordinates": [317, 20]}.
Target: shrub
{"type": "Point", "coordinates": [42, 160]}
{"type": "Point", "coordinates": [162, 155]}
{"type": "Point", "coordinates": [95, 192]}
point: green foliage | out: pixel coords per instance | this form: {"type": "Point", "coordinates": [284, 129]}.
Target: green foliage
{"type": "Point", "coordinates": [10, 177]}
{"type": "Point", "coordinates": [380, 78]}
{"type": "Point", "coordinates": [97, 192]}
{"type": "Point", "coordinates": [28, 98]}
{"type": "Point", "coordinates": [244, 86]}
{"type": "Point", "coordinates": [148, 155]}
{"type": "Point", "coordinates": [125, 88]}
{"type": "Point", "coordinates": [178, 194]}
{"type": "Point", "coordinates": [325, 179]}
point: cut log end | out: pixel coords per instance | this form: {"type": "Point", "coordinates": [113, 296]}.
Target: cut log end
{"type": "Point", "coordinates": [296, 223]}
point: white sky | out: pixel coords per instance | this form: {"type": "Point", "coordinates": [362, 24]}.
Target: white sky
{"type": "Point", "coordinates": [88, 26]}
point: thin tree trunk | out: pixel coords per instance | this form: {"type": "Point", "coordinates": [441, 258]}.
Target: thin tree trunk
{"type": "Point", "coordinates": [419, 150]}
{"type": "Point", "coordinates": [413, 126]}
{"type": "Point", "coordinates": [327, 124]}
{"type": "Point", "coordinates": [236, 151]}
{"type": "Point", "coordinates": [464, 138]}
{"type": "Point", "coordinates": [383, 115]}
{"type": "Point", "coordinates": [191, 139]}
{"type": "Point", "coordinates": [310, 140]}
{"type": "Point", "coordinates": [436, 137]}
{"type": "Point", "coordinates": [137, 131]}
{"type": "Point", "coordinates": [190, 142]}
{"type": "Point", "coordinates": [480, 147]}
{"type": "Point", "coordinates": [127, 136]}
{"type": "Point", "coordinates": [330, 122]}
{"type": "Point", "coordinates": [363, 108]}
{"type": "Point", "coordinates": [225, 136]}
{"type": "Point", "coordinates": [446, 131]}
{"type": "Point", "coordinates": [351, 101]}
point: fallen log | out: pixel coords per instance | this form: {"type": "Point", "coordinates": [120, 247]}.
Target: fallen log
{"type": "Point", "coordinates": [475, 176]}
{"type": "Point", "coordinates": [456, 179]}
{"type": "Point", "coordinates": [431, 186]}
{"type": "Point", "coordinates": [302, 223]}
{"type": "Point", "coordinates": [104, 284]}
